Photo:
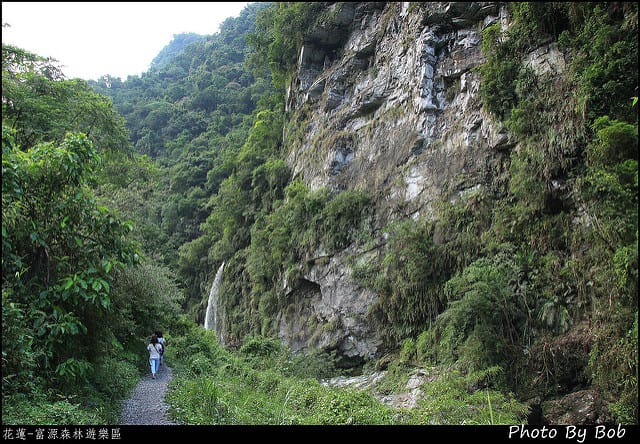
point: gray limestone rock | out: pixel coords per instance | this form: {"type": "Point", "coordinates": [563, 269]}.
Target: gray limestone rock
{"type": "Point", "coordinates": [390, 104]}
{"type": "Point", "coordinates": [578, 408]}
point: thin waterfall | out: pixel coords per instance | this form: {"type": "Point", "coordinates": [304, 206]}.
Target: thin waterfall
{"type": "Point", "coordinates": [211, 317]}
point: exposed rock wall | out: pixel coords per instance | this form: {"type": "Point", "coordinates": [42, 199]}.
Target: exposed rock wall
{"type": "Point", "coordinates": [385, 99]}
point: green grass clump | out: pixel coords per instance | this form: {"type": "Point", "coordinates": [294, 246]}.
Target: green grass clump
{"type": "Point", "coordinates": [18, 409]}
{"type": "Point", "coordinates": [455, 398]}
{"type": "Point", "coordinates": [263, 383]}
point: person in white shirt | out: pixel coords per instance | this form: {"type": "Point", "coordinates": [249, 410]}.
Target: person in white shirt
{"type": "Point", "coordinates": [154, 348]}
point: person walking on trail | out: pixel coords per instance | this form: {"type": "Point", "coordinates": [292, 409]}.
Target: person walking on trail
{"type": "Point", "coordinates": [154, 348]}
{"type": "Point", "coordinates": [163, 342]}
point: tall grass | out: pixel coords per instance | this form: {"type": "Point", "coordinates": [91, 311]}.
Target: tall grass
{"type": "Point", "coordinates": [263, 383]}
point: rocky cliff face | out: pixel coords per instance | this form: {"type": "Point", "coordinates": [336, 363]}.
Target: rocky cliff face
{"type": "Point", "coordinates": [385, 99]}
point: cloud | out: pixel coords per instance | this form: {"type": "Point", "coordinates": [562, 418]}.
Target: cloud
{"type": "Point", "coordinates": [91, 39]}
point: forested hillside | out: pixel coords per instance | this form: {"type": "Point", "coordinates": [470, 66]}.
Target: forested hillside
{"type": "Point", "coordinates": [191, 115]}
{"type": "Point", "coordinates": [175, 47]}
{"type": "Point", "coordinates": [438, 191]}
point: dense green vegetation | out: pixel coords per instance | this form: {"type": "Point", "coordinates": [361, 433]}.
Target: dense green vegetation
{"type": "Point", "coordinates": [545, 284]}
{"type": "Point", "coordinates": [191, 114]}
{"type": "Point", "coordinates": [174, 48]}
{"type": "Point", "coordinates": [75, 309]}
{"type": "Point", "coordinates": [264, 383]}
{"type": "Point", "coordinates": [122, 198]}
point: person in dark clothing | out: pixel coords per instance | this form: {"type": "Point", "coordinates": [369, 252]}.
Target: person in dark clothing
{"type": "Point", "coordinates": [162, 341]}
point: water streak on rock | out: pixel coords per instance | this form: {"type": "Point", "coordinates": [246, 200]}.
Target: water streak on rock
{"type": "Point", "coordinates": [211, 316]}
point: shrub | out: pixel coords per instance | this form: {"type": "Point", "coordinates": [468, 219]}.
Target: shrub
{"type": "Point", "coordinates": [20, 410]}
{"type": "Point", "coordinates": [409, 281]}
{"type": "Point", "coordinates": [615, 142]}
{"type": "Point", "coordinates": [408, 350]}
{"type": "Point", "coordinates": [457, 398]}
{"type": "Point", "coordinates": [18, 356]}
{"type": "Point", "coordinates": [116, 377]}
{"type": "Point", "coordinates": [343, 217]}
{"type": "Point", "coordinates": [484, 322]}
{"type": "Point", "coordinates": [613, 362]}
{"type": "Point", "coordinates": [349, 406]}
{"type": "Point", "coordinates": [260, 346]}
{"type": "Point", "coordinates": [315, 363]}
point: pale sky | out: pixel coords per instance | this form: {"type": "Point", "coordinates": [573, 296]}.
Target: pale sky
{"type": "Point", "coordinates": [91, 39]}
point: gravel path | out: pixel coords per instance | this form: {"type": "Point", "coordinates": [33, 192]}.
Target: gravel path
{"type": "Point", "coordinates": [146, 405]}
